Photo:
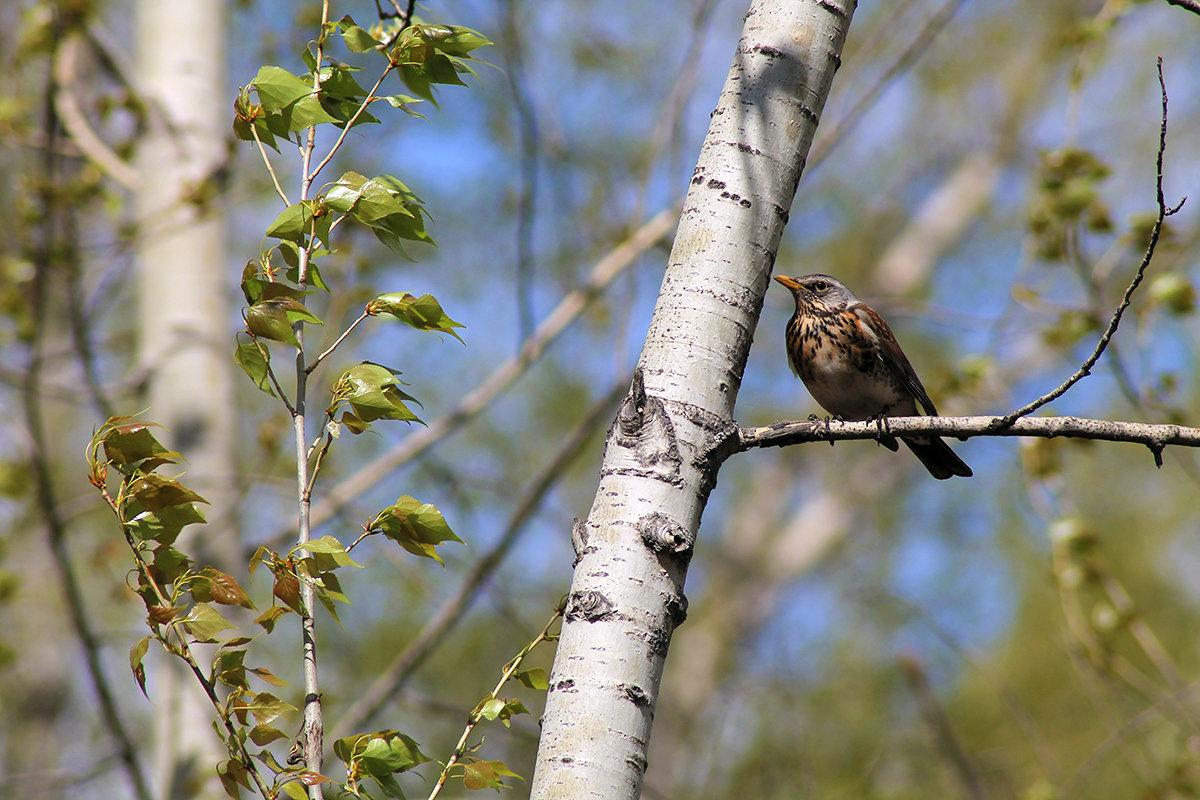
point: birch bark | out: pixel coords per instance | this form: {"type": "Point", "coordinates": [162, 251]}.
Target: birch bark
{"type": "Point", "coordinates": [184, 318]}
{"type": "Point", "coordinates": [633, 550]}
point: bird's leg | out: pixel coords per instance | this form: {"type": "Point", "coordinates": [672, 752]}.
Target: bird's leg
{"type": "Point", "coordinates": [828, 432]}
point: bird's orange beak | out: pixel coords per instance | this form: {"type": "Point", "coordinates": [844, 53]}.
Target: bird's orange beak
{"type": "Point", "coordinates": [790, 283]}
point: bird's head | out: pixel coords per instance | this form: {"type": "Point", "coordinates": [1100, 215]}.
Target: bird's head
{"type": "Point", "coordinates": [823, 292]}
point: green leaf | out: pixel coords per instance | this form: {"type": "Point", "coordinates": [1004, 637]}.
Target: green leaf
{"type": "Point", "coordinates": [337, 82]}
{"type": "Point", "coordinates": [293, 223]}
{"type": "Point", "coordinates": [372, 392]}
{"type": "Point", "coordinates": [273, 319]}
{"type": "Point", "coordinates": [266, 674]}
{"type": "Point", "coordinates": [131, 446]}
{"type": "Point", "coordinates": [486, 775]}
{"type": "Point", "coordinates": [455, 40]}
{"type": "Point", "coordinates": [390, 752]}
{"type": "Point", "coordinates": [212, 585]}
{"type": "Point", "coordinates": [169, 564]}
{"type": "Point", "coordinates": [490, 709]}
{"type": "Point", "coordinates": [233, 774]}
{"type": "Point", "coordinates": [357, 39]}
{"type": "Point", "coordinates": [423, 313]}
{"type": "Point", "coordinates": [295, 790]}
{"type": "Point", "coordinates": [229, 669]}
{"type": "Point", "coordinates": [266, 707]}
{"type": "Point", "coordinates": [253, 362]}
{"type": "Point", "coordinates": [309, 112]}
{"type": "Point", "coordinates": [384, 204]}
{"type": "Point", "coordinates": [154, 492]}
{"type": "Point", "coordinates": [415, 526]}
{"type": "Point", "coordinates": [331, 547]}
{"type": "Point", "coordinates": [403, 101]}
{"type": "Point", "coordinates": [268, 618]}
{"type": "Point", "coordinates": [278, 88]}
{"type": "Point", "coordinates": [136, 654]}
{"type": "Point", "coordinates": [263, 735]}
{"type": "Point", "coordinates": [503, 710]}
{"type": "Point", "coordinates": [163, 525]}
{"type": "Point", "coordinates": [534, 678]}
{"type": "Point", "coordinates": [204, 622]}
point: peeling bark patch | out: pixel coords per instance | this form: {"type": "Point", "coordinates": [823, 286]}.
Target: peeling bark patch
{"type": "Point", "coordinates": [636, 695]}
{"type": "Point", "coordinates": [637, 761]}
{"type": "Point", "coordinates": [659, 642]}
{"type": "Point", "coordinates": [832, 8]}
{"type": "Point", "coordinates": [590, 606]}
{"type": "Point", "coordinates": [579, 538]}
{"type": "Point", "coordinates": [770, 52]}
{"type": "Point", "coordinates": [677, 609]}
{"type": "Point", "coordinates": [660, 533]}
{"type": "Point", "coordinates": [644, 427]}
{"type": "Point", "coordinates": [809, 114]}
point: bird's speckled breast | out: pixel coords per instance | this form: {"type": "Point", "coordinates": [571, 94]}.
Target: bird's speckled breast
{"type": "Point", "coordinates": [838, 365]}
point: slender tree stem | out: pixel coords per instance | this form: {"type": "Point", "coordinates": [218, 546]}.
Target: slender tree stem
{"type": "Point", "coordinates": [313, 728]}
{"type": "Point", "coordinates": [477, 715]}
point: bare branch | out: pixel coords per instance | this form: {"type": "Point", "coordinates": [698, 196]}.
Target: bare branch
{"type": "Point", "coordinates": [834, 134]}
{"type": "Point", "coordinates": [1163, 213]}
{"type": "Point", "coordinates": [76, 123]}
{"type": "Point", "coordinates": [1155, 437]}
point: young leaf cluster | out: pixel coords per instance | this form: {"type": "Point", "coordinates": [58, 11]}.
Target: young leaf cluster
{"type": "Point", "coordinates": [182, 601]}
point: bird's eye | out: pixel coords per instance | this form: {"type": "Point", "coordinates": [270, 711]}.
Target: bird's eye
{"type": "Point", "coordinates": [820, 286]}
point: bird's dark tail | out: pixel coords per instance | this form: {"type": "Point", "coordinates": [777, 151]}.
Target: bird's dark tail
{"type": "Point", "coordinates": [938, 458]}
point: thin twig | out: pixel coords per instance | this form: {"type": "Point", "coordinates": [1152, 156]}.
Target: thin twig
{"type": "Point", "coordinates": [76, 123]}
{"type": "Point", "coordinates": [337, 145]}
{"type": "Point", "coordinates": [334, 346]}
{"type": "Point", "coordinates": [831, 135]}
{"type": "Point", "coordinates": [267, 163]}
{"type": "Point", "coordinates": [476, 716]}
{"type": "Point", "coordinates": [1163, 213]}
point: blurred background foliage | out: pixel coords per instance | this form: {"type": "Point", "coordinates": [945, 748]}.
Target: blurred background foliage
{"type": "Point", "coordinates": [983, 175]}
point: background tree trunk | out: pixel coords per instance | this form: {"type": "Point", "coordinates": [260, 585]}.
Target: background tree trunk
{"type": "Point", "coordinates": [626, 596]}
{"type": "Point", "coordinates": [184, 319]}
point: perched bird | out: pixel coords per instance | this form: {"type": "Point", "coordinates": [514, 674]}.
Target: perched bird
{"type": "Point", "coordinates": [851, 364]}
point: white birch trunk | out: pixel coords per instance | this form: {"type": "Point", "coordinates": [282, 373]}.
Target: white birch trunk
{"type": "Point", "coordinates": [184, 321]}
{"type": "Point", "coordinates": [632, 552]}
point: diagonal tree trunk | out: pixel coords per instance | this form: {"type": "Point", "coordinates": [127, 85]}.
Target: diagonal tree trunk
{"type": "Point", "coordinates": [632, 551]}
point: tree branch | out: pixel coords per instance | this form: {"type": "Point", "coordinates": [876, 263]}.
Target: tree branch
{"type": "Point", "coordinates": [1163, 213]}
{"type": "Point", "coordinates": [1155, 437]}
